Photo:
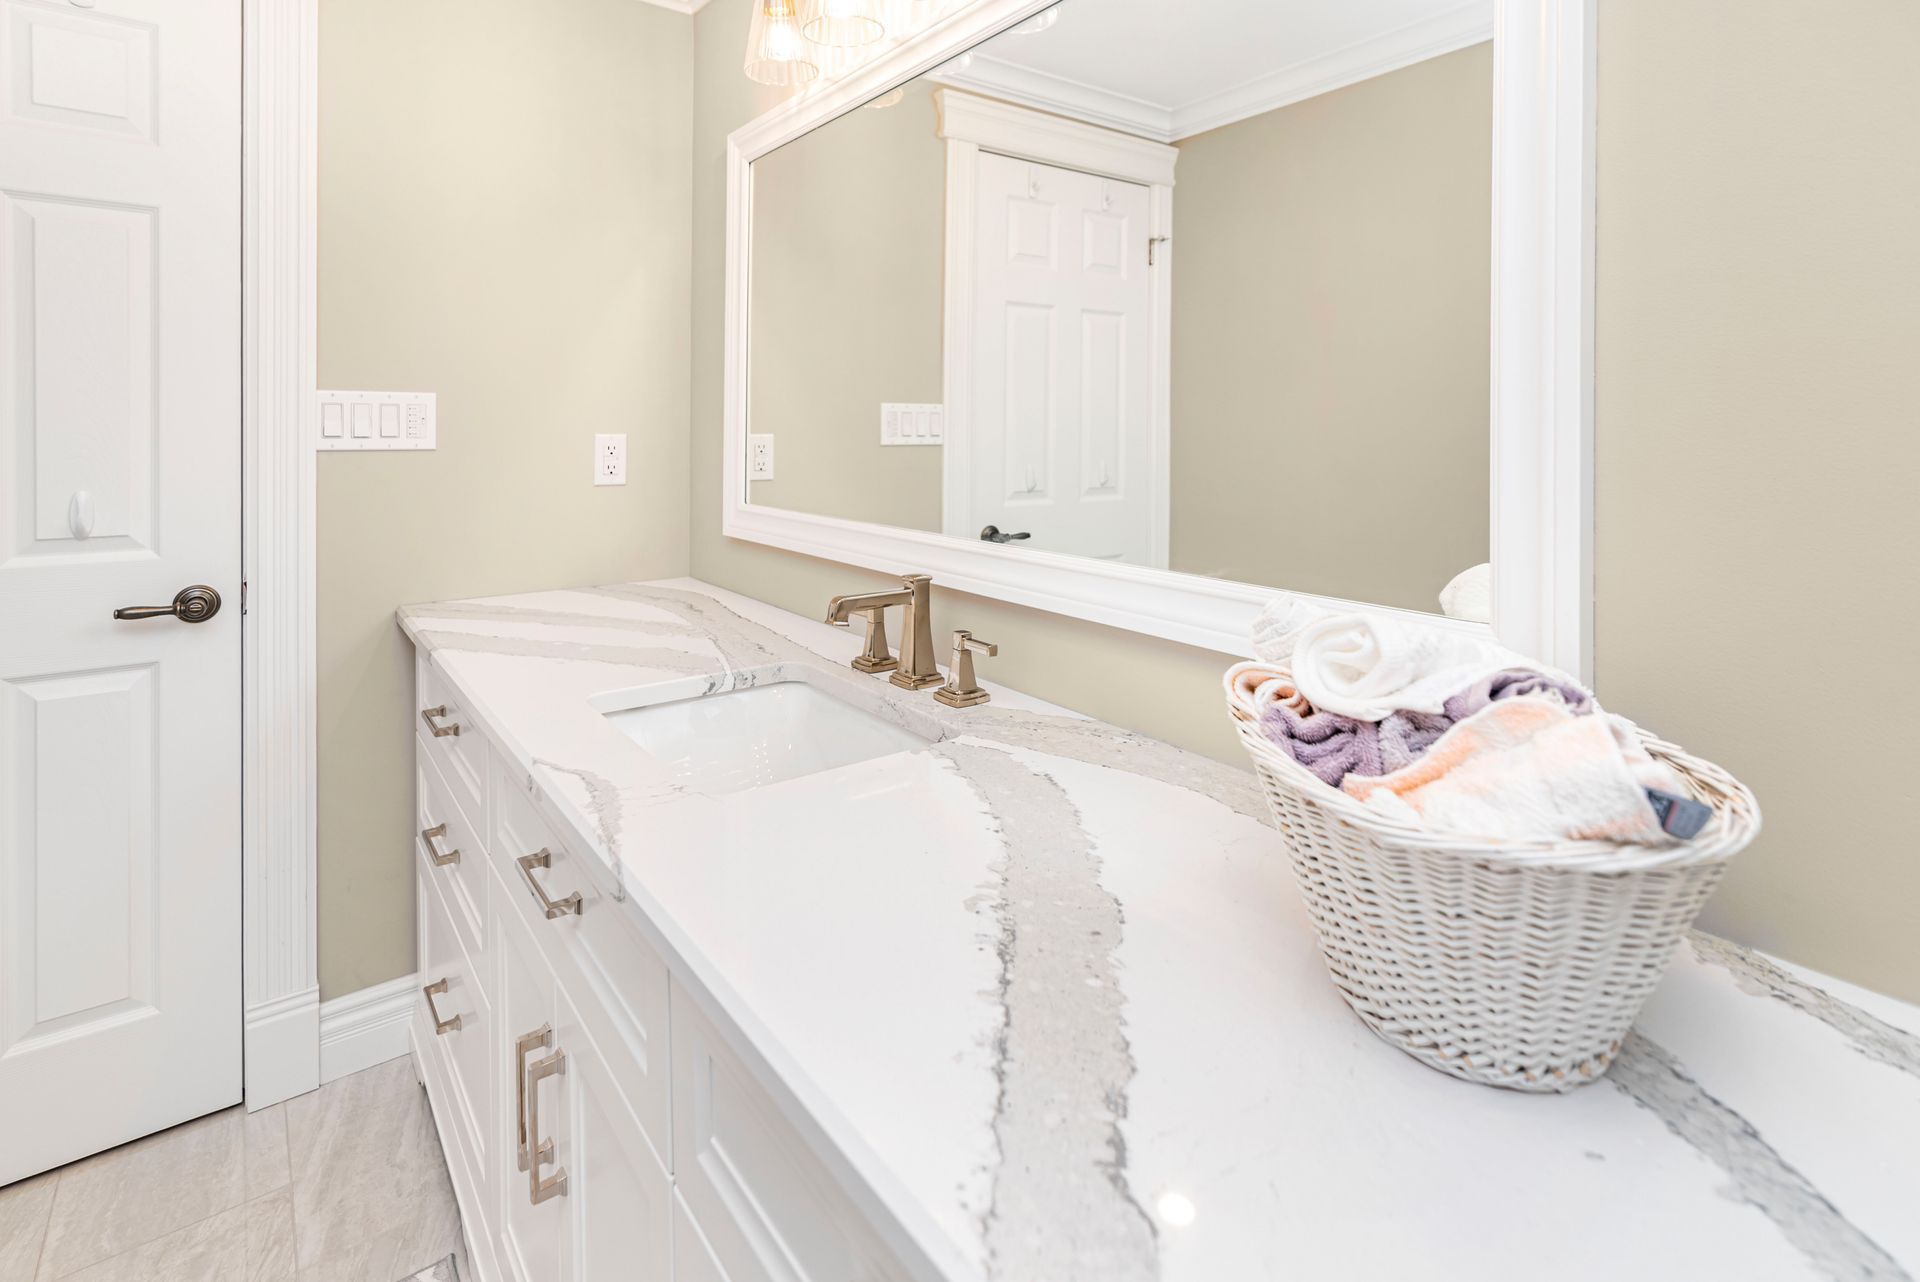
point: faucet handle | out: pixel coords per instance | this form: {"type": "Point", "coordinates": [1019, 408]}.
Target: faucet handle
{"type": "Point", "coordinates": [962, 689]}
{"type": "Point", "coordinates": [874, 655]}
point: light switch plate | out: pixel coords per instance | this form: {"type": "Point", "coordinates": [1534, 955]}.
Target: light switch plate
{"type": "Point", "coordinates": [378, 421]}
{"type": "Point", "coordinates": [610, 458]}
{"type": "Point", "coordinates": [902, 424]}
{"type": "Point", "coordinates": [760, 456]}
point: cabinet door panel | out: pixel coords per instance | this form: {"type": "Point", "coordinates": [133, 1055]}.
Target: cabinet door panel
{"type": "Point", "coordinates": [530, 1235]}
{"type": "Point", "coordinates": [618, 1197]}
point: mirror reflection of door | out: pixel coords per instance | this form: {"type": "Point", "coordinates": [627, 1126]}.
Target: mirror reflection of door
{"type": "Point", "coordinates": [1059, 430]}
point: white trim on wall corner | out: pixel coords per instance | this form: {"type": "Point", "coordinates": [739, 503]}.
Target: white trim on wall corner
{"type": "Point", "coordinates": [278, 362]}
{"type": "Point", "coordinates": [366, 1028]}
{"type": "Point", "coordinates": [679, 6]}
{"type": "Point", "coordinates": [1470, 24]}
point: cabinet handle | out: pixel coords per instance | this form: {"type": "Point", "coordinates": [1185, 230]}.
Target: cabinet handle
{"type": "Point", "coordinates": [441, 1027]}
{"type": "Point", "coordinates": [555, 1185]}
{"type": "Point", "coordinates": [551, 907]}
{"type": "Point", "coordinates": [439, 731]}
{"type": "Point", "coordinates": [539, 1039]}
{"type": "Point", "coordinates": [439, 860]}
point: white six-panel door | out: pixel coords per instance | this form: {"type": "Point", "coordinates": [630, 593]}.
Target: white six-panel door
{"type": "Point", "coordinates": [1061, 424]}
{"type": "Point", "coordinates": [119, 485]}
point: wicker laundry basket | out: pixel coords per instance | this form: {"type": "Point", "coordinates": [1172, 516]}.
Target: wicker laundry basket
{"type": "Point", "coordinates": [1514, 965]}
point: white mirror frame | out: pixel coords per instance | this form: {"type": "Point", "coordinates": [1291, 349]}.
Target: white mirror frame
{"type": "Point", "coordinates": [1542, 378]}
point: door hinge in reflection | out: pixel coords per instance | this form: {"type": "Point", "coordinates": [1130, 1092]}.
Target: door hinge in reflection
{"type": "Point", "coordinates": [1153, 249]}
{"type": "Point", "coordinates": [243, 596]}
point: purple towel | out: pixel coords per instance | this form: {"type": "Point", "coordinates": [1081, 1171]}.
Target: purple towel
{"type": "Point", "coordinates": [1333, 746]}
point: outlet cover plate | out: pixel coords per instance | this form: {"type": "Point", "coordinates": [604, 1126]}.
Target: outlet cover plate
{"type": "Point", "coordinates": [760, 456]}
{"type": "Point", "coordinates": [610, 458]}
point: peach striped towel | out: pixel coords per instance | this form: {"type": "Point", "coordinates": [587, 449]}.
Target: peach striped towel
{"type": "Point", "coordinates": [1527, 769]}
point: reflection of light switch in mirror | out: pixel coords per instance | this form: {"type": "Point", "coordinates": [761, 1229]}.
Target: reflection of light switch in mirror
{"type": "Point", "coordinates": [377, 420]}
{"type": "Point", "coordinates": [760, 456]}
{"type": "Point", "coordinates": [913, 424]}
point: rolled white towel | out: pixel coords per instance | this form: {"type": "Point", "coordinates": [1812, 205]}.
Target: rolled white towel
{"type": "Point", "coordinates": [1469, 595]}
{"type": "Point", "coordinates": [1279, 624]}
{"type": "Point", "coordinates": [1369, 666]}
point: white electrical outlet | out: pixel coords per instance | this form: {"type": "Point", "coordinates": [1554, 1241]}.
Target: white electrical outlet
{"type": "Point", "coordinates": [760, 456]}
{"type": "Point", "coordinates": [610, 458]}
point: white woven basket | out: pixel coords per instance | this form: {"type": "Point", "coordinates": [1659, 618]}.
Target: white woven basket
{"type": "Point", "coordinates": [1514, 965]}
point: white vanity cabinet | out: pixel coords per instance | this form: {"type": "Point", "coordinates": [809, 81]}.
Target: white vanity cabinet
{"type": "Point", "coordinates": [542, 1038]}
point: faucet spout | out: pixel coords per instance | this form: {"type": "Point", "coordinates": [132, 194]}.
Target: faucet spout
{"type": "Point", "coordinates": [841, 609]}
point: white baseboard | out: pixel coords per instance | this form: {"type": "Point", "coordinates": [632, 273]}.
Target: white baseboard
{"type": "Point", "coordinates": [366, 1028]}
{"type": "Point", "coordinates": [281, 1037]}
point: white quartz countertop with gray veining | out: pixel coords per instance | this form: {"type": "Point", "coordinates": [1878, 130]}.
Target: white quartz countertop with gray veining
{"type": "Point", "coordinates": [1048, 988]}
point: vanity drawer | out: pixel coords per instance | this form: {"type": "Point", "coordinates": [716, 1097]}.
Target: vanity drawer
{"type": "Point", "coordinates": [455, 1024]}
{"type": "Point", "coordinates": [761, 1200]}
{"type": "Point", "coordinates": [607, 969]}
{"type": "Point", "coordinates": [452, 856]}
{"type": "Point", "coordinates": [459, 750]}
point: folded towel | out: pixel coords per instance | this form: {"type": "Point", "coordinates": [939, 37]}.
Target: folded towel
{"type": "Point", "coordinates": [1279, 623]}
{"type": "Point", "coordinates": [1511, 683]}
{"type": "Point", "coordinates": [1372, 665]}
{"type": "Point", "coordinates": [1529, 769]}
{"type": "Point", "coordinates": [1469, 595]}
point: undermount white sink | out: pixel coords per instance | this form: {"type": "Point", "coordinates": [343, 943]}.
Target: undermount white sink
{"type": "Point", "coordinates": [741, 739]}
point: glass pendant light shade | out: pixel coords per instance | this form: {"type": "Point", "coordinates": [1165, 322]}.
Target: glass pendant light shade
{"type": "Point", "coordinates": [777, 52]}
{"type": "Point", "coordinates": [842, 24]}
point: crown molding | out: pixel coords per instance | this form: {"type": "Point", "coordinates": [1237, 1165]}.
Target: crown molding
{"type": "Point", "coordinates": [688, 7]}
{"type": "Point", "coordinates": [1470, 24]}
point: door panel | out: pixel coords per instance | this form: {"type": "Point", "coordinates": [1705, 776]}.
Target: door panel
{"type": "Point", "coordinates": [529, 1234]}
{"type": "Point", "coordinates": [619, 1199]}
{"type": "Point", "coordinates": [120, 1001]}
{"type": "Point", "coordinates": [1061, 432]}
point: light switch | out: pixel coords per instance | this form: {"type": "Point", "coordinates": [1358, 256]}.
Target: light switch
{"type": "Point", "coordinates": [377, 420]}
{"type": "Point", "coordinates": [913, 424]}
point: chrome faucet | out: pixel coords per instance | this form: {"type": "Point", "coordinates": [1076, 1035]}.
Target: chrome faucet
{"type": "Point", "coordinates": [915, 668]}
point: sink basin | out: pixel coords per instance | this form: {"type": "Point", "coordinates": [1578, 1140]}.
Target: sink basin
{"type": "Point", "coordinates": [720, 743]}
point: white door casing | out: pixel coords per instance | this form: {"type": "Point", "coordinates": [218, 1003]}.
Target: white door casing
{"type": "Point", "coordinates": [120, 483]}
{"type": "Point", "coordinates": [1059, 430]}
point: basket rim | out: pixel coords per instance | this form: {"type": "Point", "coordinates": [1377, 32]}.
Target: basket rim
{"type": "Point", "coordinates": [1735, 822]}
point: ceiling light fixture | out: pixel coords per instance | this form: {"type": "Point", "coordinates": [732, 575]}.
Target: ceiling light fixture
{"type": "Point", "coordinates": [777, 53]}
{"type": "Point", "coordinates": [842, 24]}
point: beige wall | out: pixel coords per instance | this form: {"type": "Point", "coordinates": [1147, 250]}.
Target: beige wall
{"type": "Point", "coordinates": [504, 214]}
{"type": "Point", "coordinates": [1331, 341]}
{"type": "Point", "coordinates": [1758, 436]}
{"type": "Point", "coordinates": [1759, 311]}
{"type": "Point", "coordinates": [847, 260]}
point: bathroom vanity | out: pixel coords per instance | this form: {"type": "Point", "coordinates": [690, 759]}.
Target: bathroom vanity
{"type": "Point", "coordinates": [740, 964]}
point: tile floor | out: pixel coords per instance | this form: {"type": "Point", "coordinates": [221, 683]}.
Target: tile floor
{"type": "Point", "coordinates": [346, 1184]}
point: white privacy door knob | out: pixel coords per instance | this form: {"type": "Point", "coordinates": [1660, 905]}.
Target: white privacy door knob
{"type": "Point", "coordinates": [80, 514]}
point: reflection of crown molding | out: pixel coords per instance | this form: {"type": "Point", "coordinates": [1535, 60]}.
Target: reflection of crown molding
{"type": "Point", "coordinates": [1045, 92]}
{"type": "Point", "coordinates": [679, 6]}
{"type": "Point", "coordinates": [1470, 24]}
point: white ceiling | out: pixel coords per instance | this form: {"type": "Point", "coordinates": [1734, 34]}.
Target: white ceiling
{"type": "Point", "coordinates": [1169, 68]}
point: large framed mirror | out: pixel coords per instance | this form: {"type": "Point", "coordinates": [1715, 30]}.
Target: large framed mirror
{"type": "Point", "coordinates": [1143, 310]}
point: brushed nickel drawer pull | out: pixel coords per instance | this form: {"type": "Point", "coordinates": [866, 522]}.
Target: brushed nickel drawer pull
{"type": "Point", "coordinates": [441, 1027]}
{"type": "Point", "coordinates": [555, 1185]}
{"type": "Point", "coordinates": [539, 1039]}
{"type": "Point", "coordinates": [439, 731]}
{"type": "Point", "coordinates": [551, 907]}
{"type": "Point", "coordinates": [439, 860]}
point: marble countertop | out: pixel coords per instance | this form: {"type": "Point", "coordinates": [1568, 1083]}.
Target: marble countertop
{"type": "Point", "coordinates": [1047, 986]}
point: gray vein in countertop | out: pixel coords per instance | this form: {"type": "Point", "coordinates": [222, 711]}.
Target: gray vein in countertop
{"type": "Point", "coordinates": [490, 612]}
{"type": "Point", "coordinates": [1762, 1178]}
{"type": "Point", "coordinates": [1061, 1207]}
{"type": "Point", "coordinates": [659, 658]}
{"type": "Point", "coordinates": [1759, 977]}
{"type": "Point", "coordinates": [603, 803]}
